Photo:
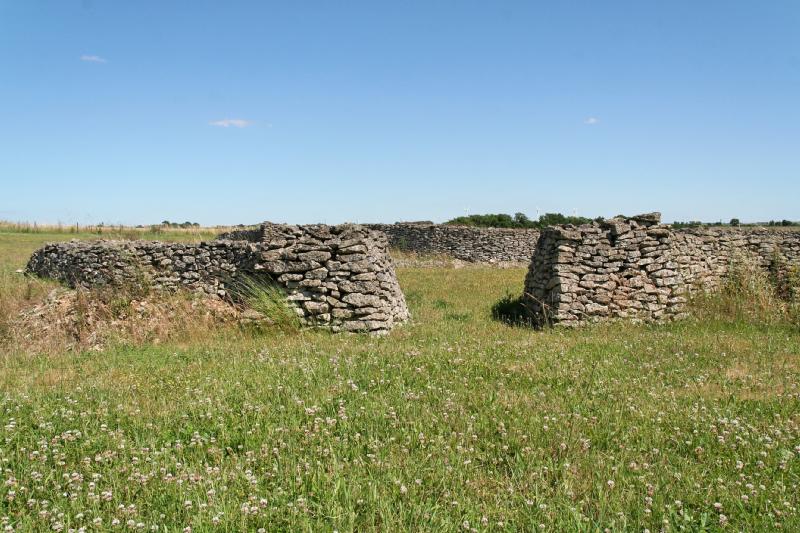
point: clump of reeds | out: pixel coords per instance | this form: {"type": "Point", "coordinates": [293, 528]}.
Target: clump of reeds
{"type": "Point", "coordinates": [751, 293]}
{"type": "Point", "coordinates": [262, 295]}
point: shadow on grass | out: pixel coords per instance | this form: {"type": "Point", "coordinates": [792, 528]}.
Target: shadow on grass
{"type": "Point", "coordinates": [512, 311]}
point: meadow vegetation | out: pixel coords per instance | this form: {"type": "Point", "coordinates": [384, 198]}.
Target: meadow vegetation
{"type": "Point", "coordinates": [454, 421]}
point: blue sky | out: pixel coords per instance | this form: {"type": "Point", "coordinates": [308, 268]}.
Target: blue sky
{"type": "Point", "coordinates": [236, 112]}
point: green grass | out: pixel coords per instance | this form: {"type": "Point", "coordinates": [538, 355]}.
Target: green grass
{"type": "Point", "coordinates": [454, 421]}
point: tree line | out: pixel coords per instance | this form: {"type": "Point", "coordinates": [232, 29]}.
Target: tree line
{"type": "Point", "coordinates": [519, 220]}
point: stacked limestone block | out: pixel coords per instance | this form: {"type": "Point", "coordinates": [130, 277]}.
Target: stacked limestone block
{"type": "Point", "coordinates": [339, 277]}
{"type": "Point", "coordinates": [205, 267]}
{"type": "Point", "coordinates": [704, 254]}
{"type": "Point", "coordinates": [638, 268]}
{"type": "Point", "coordinates": [478, 245]}
{"type": "Point", "coordinates": [619, 268]}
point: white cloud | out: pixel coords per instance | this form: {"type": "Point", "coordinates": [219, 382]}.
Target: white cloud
{"type": "Point", "coordinates": [228, 122]}
{"type": "Point", "coordinates": [93, 59]}
{"type": "Point", "coordinates": [591, 121]}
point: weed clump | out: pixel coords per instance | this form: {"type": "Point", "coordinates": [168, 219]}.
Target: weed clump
{"type": "Point", "coordinates": [751, 294]}
{"type": "Point", "coordinates": [512, 310]}
{"type": "Point", "coordinates": [267, 298]}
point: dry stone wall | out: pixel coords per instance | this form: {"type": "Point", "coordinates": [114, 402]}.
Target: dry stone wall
{"type": "Point", "coordinates": [244, 234]}
{"type": "Point", "coordinates": [637, 267]}
{"type": "Point", "coordinates": [339, 277]}
{"type": "Point", "coordinates": [479, 245]}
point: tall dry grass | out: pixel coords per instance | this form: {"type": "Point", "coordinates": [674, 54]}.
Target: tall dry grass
{"type": "Point", "coordinates": [95, 319]}
{"type": "Point", "coordinates": [751, 294]}
{"type": "Point", "coordinates": [149, 232]}
{"type": "Point", "coordinates": [17, 293]}
{"type": "Point", "coordinates": [262, 295]}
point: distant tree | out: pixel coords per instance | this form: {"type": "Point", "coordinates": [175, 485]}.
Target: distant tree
{"type": "Point", "coordinates": [689, 224]}
{"type": "Point", "coordinates": [519, 220]}
{"type": "Point", "coordinates": [785, 222]}
{"type": "Point", "coordinates": [735, 222]}
{"type": "Point", "coordinates": [500, 220]}
{"type": "Point", "coordinates": [165, 223]}
{"type": "Point", "coordinates": [555, 219]}
{"type": "Point", "coordinates": [522, 219]}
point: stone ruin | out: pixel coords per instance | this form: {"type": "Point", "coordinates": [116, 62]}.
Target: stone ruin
{"type": "Point", "coordinates": [637, 268]}
{"type": "Point", "coordinates": [342, 277]}
{"type": "Point", "coordinates": [338, 277]}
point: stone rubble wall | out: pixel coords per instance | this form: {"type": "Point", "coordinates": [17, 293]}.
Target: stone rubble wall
{"type": "Point", "coordinates": [245, 234]}
{"type": "Point", "coordinates": [638, 268]}
{"type": "Point", "coordinates": [704, 254]}
{"type": "Point", "coordinates": [467, 243]}
{"type": "Point", "coordinates": [339, 277]}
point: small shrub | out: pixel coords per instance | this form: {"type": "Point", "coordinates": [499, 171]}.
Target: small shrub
{"type": "Point", "coordinates": [512, 310]}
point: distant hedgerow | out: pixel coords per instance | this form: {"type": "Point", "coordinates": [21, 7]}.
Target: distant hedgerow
{"type": "Point", "coordinates": [519, 220]}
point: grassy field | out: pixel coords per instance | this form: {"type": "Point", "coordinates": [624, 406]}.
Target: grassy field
{"type": "Point", "coordinates": [454, 421]}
